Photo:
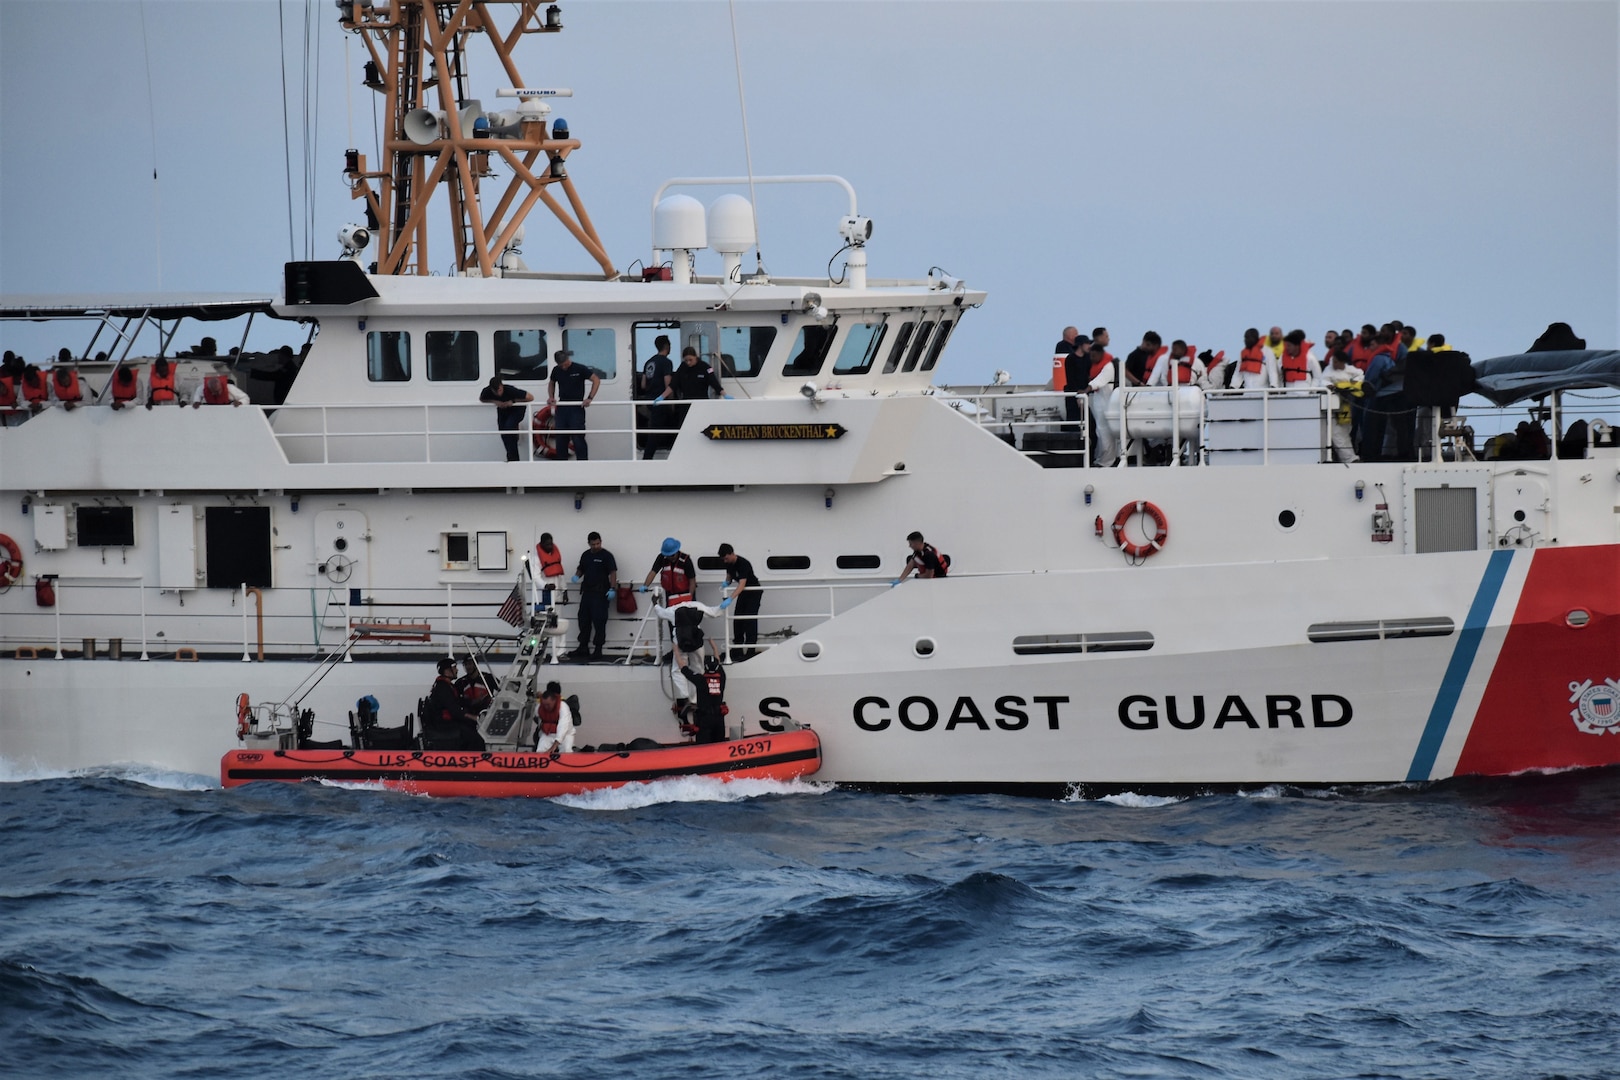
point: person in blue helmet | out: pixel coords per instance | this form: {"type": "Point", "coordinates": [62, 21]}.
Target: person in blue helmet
{"type": "Point", "coordinates": [675, 572]}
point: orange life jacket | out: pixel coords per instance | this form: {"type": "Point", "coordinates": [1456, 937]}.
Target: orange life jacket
{"type": "Point", "coordinates": [65, 385]}
{"type": "Point", "coordinates": [124, 384]}
{"type": "Point", "coordinates": [1295, 368]}
{"type": "Point", "coordinates": [1099, 364]}
{"type": "Point", "coordinates": [677, 585]}
{"type": "Point", "coordinates": [550, 564]}
{"type": "Point", "coordinates": [162, 385]}
{"type": "Point", "coordinates": [8, 391]}
{"type": "Point", "coordinates": [1183, 371]}
{"type": "Point", "coordinates": [1361, 355]}
{"type": "Point", "coordinates": [550, 716]}
{"type": "Point", "coordinates": [35, 389]}
{"type": "Point", "coordinates": [1253, 361]}
{"type": "Point", "coordinates": [214, 390]}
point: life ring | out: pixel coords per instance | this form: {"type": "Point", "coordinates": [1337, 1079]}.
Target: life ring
{"type": "Point", "coordinates": [11, 567]}
{"type": "Point", "coordinates": [544, 423]}
{"type": "Point", "coordinates": [1161, 529]}
{"type": "Point", "coordinates": [244, 715]}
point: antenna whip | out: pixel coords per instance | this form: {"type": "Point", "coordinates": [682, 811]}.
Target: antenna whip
{"type": "Point", "coordinates": [748, 150]}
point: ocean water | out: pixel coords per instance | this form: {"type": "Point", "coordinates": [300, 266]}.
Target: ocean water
{"type": "Point", "coordinates": [155, 926]}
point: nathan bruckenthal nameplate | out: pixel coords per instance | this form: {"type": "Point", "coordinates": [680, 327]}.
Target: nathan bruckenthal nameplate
{"type": "Point", "coordinates": [756, 432]}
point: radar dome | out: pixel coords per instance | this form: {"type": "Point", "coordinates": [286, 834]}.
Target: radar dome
{"type": "Point", "coordinates": [678, 223]}
{"type": "Point", "coordinates": [731, 225]}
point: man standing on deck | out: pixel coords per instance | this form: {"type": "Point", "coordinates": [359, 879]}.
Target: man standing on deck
{"type": "Point", "coordinates": [1064, 357]}
{"type": "Point", "coordinates": [742, 588]}
{"type": "Point", "coordinates": [568, 382]}
{"type": "Point", "coordinates": [598, 579]}
{"type": "Point", "coordinates": [508, 414]}
{"type": "Point", "coordinates": [651, 385]}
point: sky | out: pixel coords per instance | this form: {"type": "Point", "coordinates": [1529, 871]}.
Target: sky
{"type": "Point", "coordinates": [1191, 168]}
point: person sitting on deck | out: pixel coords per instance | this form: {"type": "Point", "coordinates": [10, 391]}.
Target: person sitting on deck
{"type": "Point", "coordinates": [160, 383]}
{"type": "Point", "coordinates": [446, 724]}
{"type": "Point", "coordinates": [556, 722]}
{"type": "Point", "coordinates": [476, 687]}
{"type": "Point", "coordinates": [65, 387]}
{"type": "Point", "coordinates": [925, 561]}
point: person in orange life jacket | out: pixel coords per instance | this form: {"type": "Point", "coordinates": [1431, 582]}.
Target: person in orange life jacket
{"type": "Point", "coordinates": [1180, 365]}
{"type": "Point", "coordinates": [36, 388]}
{"type": "Point", "coordinates": [1254, 368]}
{"type": "Point", "coordinates": [1299, 366]}
{"type": "Point", "coordinates": [551, 566]}
{"type": "Point", "coordinates": [218, 390]}
{"type": "Point", "coordinates": [1361, 350]}
{"type": "Point", "coordinates": [508, 411]}
{"type": "Point", "coordinates": [65, 387]}
{"type": "Point", "coordinates": [598, 579]}
{"type": "Point", "coordinates": [476, 687]}
{"type": "Point", "coordinates": [1141, 358]}
{"type": "Point", "coordinates": [556, 734]}
{"type": "Point", "coordinates": [11, 372]}
{"type": "Point", "coordinates": [126, 386]}
{"type": "Point", "coordinates": [1386, 383]}
{"type": "Point", "coordinates": [675, 572]}
{"type": "Point", "coordinates": [710, 688]}
{"type": "Point", "coordinates": [446, 724]}
{"type": "Point", "coordinates": [160, 383]}
{"type": "Point", "coordinates": [925, 561]}
{"type": "Point", "coordinates": [744, 591]}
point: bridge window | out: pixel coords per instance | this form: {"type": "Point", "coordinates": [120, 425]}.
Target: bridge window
{"type": "Point", "coordinates": [388, 356]}
{"type": "Point", "coordinates": [901, 340]}
{"type": "Point", "coordinates": [917, 346]}
{"type": "Point", "coordinates": [810, 350]}
{"type": "Point", "coordinates": [938, 346]}
{"type": "Point", "coordinates": [594, 349]}
{"type": "Point", "coordinates": [743, 350]}
{"type": "Point", "coordinates": [860, 349]}
{"type": "Point", "coordinates": [452, 356]}
{"type": "Point", "coordinates": [521, 355]}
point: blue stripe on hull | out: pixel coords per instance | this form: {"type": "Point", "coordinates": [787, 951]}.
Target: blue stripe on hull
{"type": "Point", "coordinates": [1462, 661]}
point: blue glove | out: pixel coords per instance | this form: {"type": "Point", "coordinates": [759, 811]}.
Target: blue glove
{"type": "Point", "coordinates": [641, 588]}
{"type": "Point", "coordinates": [612, 593]}
{"type": "Point", "coordinates": [725, 603]}
{"type": "Point", "coordinates": [574, 580]}
{"type": "Point", "coordinates": [893, 583]}
{"type": "Point", "coordinates": [659, 400]}
{"type": "Point", "coordinates": [728, 397]}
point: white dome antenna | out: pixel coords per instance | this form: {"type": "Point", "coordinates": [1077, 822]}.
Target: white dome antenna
{"type": "Point", "coordinates": [680, 228]}
{"type": "Point", "coordinates": [731, 231]}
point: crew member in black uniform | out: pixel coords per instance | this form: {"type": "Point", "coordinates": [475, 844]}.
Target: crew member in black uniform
{"type": "Point", "coordinates": [1138, 361]}
{"type": "Point", "coordinates": [691, 381]}
{"type": "Point", "coordinates": [598, 578]}
{"type": "Point", "coordinates": [446, 724]}
{"type": "Point", "coordinates": [653, 385]}
{"type": "Point", "coordinates": [711, 700]}
{"type": "Point", "coordinates": [742, 588]}
{"type": "Point", "coordinates": [568, 382]}
{"type": "Point", "coordinates": [925, 560]}
{"type": "Point", "coordinates": [508, 416]}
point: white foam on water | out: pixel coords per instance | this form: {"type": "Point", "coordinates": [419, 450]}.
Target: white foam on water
{"type": "Point", "coordinates": [1142, 802]}
{"type": "Point", "coordinates": [688, 789]}
{"type": "Point", "coordinates": [149, 775]}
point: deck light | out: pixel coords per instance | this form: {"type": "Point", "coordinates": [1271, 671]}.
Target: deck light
{"type": "Point", "coordinates": [1361, 489]}
{"type": "Point", "coordinates": [579, 500]}
{"type": "Point", "coordinates": [1090, 491]}
{"type": "Point", "coordinates": [828, 494]}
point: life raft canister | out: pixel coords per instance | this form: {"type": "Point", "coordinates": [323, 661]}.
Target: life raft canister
{"type": "Point", "coordinates": [1161, 529]}
{"type": "Point", "coordinates": [11, 564]}
{"type": "Point", "coordinates": [543, 424]}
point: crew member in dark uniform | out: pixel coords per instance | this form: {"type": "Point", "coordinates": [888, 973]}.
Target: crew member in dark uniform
{"type": "Point", "coordinates": [568, 382]}
{"type": "Point", "coordinates": [446, 724]}
{"type": "Point", "coordinates": [1138, 362]}
{"type": "Point", "coordinates": [598, 578]}
{"type": "Point", "coordinates": [692, 381]}
{"type": "Point", "coordinates": [475, 686]}
{"type": "Point", "coordinates": [508, 417]}
{"type": "Point", "coordinates": [711, 700]}
{"type": "Point", "coordinates": [653, 385]}
{"type": "Point", "coordinates": [742, 588]}
{"type": "Point", "coordinates": [925, 560]}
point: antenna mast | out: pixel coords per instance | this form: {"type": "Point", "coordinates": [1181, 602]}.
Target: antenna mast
{"type": "Point", "coordinates": [438, 137]}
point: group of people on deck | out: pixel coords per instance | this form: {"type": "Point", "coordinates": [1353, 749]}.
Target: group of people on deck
{"type": "Point", "coordinates": [1373, 421]}
{"type": "Point", "coordinates": [26, 390]}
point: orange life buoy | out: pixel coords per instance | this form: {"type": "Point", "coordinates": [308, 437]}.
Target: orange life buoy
{"type": "Point", "coordinates": [543, 424]}
{"type": "Point", "coordinates": [1161, 529]}
{"type": "Point", "coordinates": [11, 566]}
{"type": "Point", "coordinates": [244, 715]}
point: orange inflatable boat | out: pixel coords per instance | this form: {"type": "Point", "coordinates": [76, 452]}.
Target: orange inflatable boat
{"type": "Point", "coordinates": [773, 756]}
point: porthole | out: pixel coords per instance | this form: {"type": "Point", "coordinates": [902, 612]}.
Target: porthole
{"type": "Point", "coordinates": [340, 544]}
{"type": "Point", "coordinates": [1518, 515]}
{"type": "Point", "coordinates": [859, 562]}
{"type": "Point", "coordinates": [1578, 618]}
{"type": "Point", "coordinates": [1286, 520]}
{"type": "Point", "coordinates": [809, 650]}
{"type": "Point", "coordinates": [924, 647]}
{"type": "Point", "coordinates": [787, 562]}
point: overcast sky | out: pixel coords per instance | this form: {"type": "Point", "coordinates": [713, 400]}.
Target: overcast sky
{"type": "Point", "coordinates": [1193, 168]}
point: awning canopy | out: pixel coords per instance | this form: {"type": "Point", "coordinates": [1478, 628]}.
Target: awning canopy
{"type": "Point", "coordinates": [1506, 379]}
{"type": "Point", "coordinates": [207, 307]}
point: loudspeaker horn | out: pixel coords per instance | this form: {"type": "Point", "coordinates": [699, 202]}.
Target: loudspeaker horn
{"type": "Point", "coordinates": [422, 126]}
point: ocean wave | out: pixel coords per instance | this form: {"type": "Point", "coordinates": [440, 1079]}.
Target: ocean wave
{"type": "Point", "coordinates": [677, 789]}
{"type": "Point", "coordinates": [150, 776]}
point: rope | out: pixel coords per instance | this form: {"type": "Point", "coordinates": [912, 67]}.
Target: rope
{"type": "Point", "coordinates": [286, 130]}
{"type": "Point", "coordinates": [748, 150]}
{"type": "Point", "coordinates": [151, 117]}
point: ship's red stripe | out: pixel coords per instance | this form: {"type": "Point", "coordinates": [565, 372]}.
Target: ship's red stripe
{"type": "Point", "coordinates": [1524, 719]}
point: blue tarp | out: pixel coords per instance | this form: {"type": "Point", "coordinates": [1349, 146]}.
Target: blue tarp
{"type": "Point", "coordinates": [1506, 379]}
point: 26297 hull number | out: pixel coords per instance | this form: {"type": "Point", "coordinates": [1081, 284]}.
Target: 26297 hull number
{"type": "Point", "coordinates": [750, 748]}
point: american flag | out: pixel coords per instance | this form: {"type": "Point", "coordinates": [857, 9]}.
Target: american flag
{"type": "Point", "coordinates": [512, 610]}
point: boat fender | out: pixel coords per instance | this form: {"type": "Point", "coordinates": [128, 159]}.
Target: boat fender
{"type": "Point", "coordinates": [244, 715]}
{"type": "Point", "coordinates": [11, 565]}
{"type": "Point", "coordinates": [1161, 529]}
